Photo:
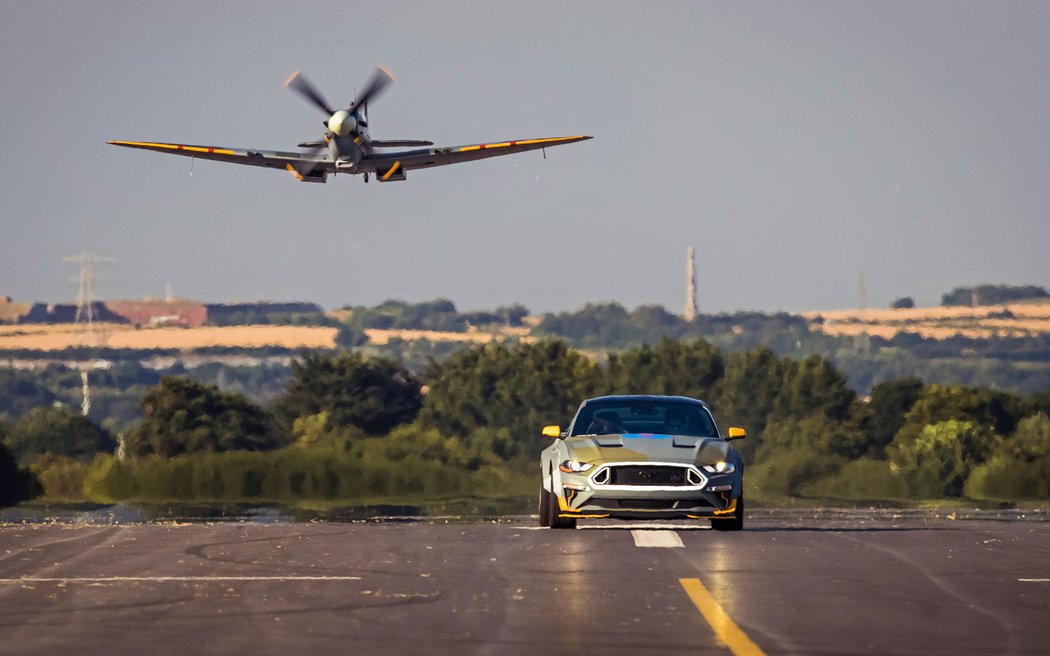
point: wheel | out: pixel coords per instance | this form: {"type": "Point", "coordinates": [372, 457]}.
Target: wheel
{"type": "Point", "coordinates": [545, 507]}
{"type": "Point", "coordinates": [734, 523]}
{"type": "Point", "coordinates": [553, 520]}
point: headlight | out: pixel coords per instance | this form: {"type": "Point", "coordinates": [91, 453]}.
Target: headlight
{"type": "Point", "coordinates": [721, 467]}
{"type": "Point", "coordinates": [574, 466]}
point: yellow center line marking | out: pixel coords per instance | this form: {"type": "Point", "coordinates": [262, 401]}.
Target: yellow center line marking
{"type": "Point", "coordinates": [725, 628]}
{"type": "Point", "coordinates": [162, 579]}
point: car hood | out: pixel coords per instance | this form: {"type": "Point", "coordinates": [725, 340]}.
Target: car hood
{"type": "Point", "coordinates": [647, 447]}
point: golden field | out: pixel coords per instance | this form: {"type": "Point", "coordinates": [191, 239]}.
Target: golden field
{"type": "Point", "coordinates": [56, 337]}
{"type": "Point", "coordinates": [378, 337]}
{"type": "Point", "coordinates": [1012, 320]}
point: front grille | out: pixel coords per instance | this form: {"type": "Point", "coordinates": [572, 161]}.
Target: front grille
{"type": "Point", "coordinates": [651, 475]}
{"type": "Point", "coordinates": [650, 504]}
{"type": "Point", "coordinates": [647, 504]}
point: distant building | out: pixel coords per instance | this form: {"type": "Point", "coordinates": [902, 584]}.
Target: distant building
{"type": "Point", "coordinates": [161, 312]}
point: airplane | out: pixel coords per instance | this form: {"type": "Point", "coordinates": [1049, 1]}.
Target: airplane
{"type": "Point", "coordinates": [346, 146]}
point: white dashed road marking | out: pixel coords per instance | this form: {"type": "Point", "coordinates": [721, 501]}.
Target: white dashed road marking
{"type": "Point", "coordinates": [1034, 580]}
{"type": "Point", "coordinates": [656, 539]}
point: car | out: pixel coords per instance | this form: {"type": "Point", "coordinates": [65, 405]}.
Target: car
{"type": "Point", "coordinates": [642, 457]}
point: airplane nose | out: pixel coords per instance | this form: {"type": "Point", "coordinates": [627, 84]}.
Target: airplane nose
{"type": "Point", "coordinates": [342, 123]}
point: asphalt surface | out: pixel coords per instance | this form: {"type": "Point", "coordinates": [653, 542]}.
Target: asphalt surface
{"type": "Point", "coordinates": [805, 586]}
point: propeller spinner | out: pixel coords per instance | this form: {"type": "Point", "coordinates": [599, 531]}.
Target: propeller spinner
{"type": "Point", "coordinates": [343, 122]}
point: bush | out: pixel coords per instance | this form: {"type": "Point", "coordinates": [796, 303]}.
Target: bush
{"type": "Point", "coordinates": [787, 472]}
{"type": "Point", "coordinates": [1020, 466]}
{"type": "Point", "coordinates": [815, 437]}
{"type": "Point", "coordinates": [61, 477]}
{"type": "Point", "coordinates": [108, 480]}
{"type": "Point", "coordinates": [938, 462]}
{"type": "Point", "coordinates": [411, 462]}
{"type": "Point", "coordinates": [863, 480]}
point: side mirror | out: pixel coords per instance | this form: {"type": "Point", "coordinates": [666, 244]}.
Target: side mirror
{"type": "Point", "coordinates": [551, 431]}
{"type": "Point", "coordinates": [736, 433]}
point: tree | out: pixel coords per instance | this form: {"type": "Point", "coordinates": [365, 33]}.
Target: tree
{"type": "Point", "coordinates": [992, 294]}
{"type": "Point", "coordinates": [817, 436]}
{"type": "Point", "coordinates": [747, 393]}
{"type": "Point", "coordinates": [520, 388]}
{"type": "Point", "coordinates": [939, 460]}
{"type": "Point", "coordinates": [58, 432]}
{"type": "Point", "coordinates": [883, 415]}
{"type": "Point", "coordinates": [372, 394]}
{"type": "Point", "coordinates": [512, 315]}
{"type": "Point", "coordinates": [903, 303]}
{"type": "Point", "coordinates": [182, 416]}
{"type": "Point", "coordinates": [681, 368]}
{"type": "Point", "coordinates": [19, 394]}
{"type": "Point", "coordinates": [997, 410]}
{"type": "Point", "coordinates": [813, 385]}
{"type": "Point", "coordinates": [16, 484]}
{"type": "Point", "coordinates": [347, 337]}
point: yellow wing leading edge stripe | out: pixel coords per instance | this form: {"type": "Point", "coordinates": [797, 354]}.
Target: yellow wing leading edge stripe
{"type": "Point", "coordinates": [167, 146]}
{"type": "Point", "coordinates": [523, 142]}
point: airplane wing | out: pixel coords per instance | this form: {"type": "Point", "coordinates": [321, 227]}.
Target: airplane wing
{"type": "Point", "coordinates": [306, 167]}
{"type": "Point", "coordinates": [390, 164]}
{"type": "Point", "coordinates": [387, 166]}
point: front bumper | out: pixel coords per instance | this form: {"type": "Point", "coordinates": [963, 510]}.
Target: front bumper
{"type": "Point", "coordinates": [704, 495]}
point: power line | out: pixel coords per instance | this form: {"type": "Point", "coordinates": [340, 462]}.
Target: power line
{"type": "Point", "coordinates": [85, 282]}
{"type": "Point", "coordinates": [85, 317]}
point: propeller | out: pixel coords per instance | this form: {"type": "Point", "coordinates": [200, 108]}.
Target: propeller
{"type": "Point", "coordinates": [342, 122]}
{"type": "Point", "coordinates": [302, 86]}
{"type": "Point", "coordinates": [378, 83]}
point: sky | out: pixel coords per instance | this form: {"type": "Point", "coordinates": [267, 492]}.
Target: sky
{"type": "Point", "coordinates": [796, 145]}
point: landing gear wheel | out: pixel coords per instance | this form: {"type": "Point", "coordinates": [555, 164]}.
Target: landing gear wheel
{"type": "Point", "coordinates": [545, 507]}
{"type": "Point", "coordinates": [735, 522]}
{"type": "Point", "coordinates": [553, 520]}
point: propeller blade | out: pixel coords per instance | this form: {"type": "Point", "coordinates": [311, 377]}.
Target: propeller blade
{"type": "Point", "coordinates": [312, 148]}
{"type": "Point", "coordinates": [296, 82]}
{"type": "Point", "coordinates": [380, 80]}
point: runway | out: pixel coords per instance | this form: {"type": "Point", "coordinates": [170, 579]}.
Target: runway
{"type": "Point", "coordinates": [852, 585]}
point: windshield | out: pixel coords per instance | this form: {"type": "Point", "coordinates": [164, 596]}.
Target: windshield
{"type": "Point", "coordinates": [661, 417]}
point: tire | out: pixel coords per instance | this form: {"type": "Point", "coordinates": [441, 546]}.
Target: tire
{"type": "Point", "coordinates": [734, 523]}
{"type": "Point", "coordinates": [545, 507]}
{"type": "Point", "coordinates": [553, 520]}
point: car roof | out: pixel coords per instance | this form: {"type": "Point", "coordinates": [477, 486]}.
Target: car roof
{"type": "Point", "coordinates": [645, 397]}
